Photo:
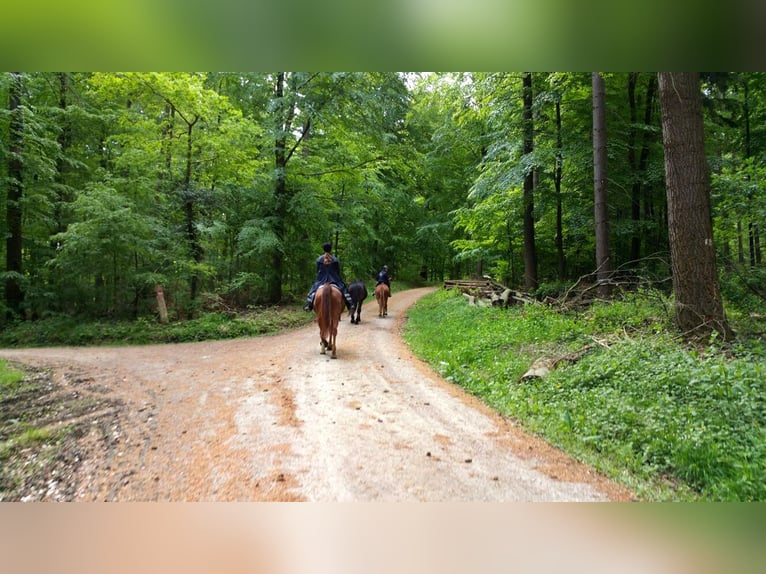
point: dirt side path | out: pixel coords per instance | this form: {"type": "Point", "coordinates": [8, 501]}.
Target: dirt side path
{"type": "Point", "coordinates": [270, 419]}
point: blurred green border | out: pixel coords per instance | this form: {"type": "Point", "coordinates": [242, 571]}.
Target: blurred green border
{"type": "Point", "coordinates": [422, 35]}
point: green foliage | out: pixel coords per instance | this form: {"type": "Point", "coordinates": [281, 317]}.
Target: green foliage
{"type": "Point", "coordinates": [15, 433]}
{"type": "Point", "coordinates": [9, 378]}
{"type": "Point", "coordinates": [673, 422]}
{"type": "Point", "coordinates": [209, 326]}
{"type": "Point", "coordinates": [24, 439]}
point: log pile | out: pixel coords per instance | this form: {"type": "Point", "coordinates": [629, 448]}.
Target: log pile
{"type": "Point", "coordinates": [486, 292]}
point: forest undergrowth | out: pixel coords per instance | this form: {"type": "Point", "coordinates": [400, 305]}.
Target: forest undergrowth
{"type": "Point", "coordinates": [209, 325]}
{"type": "Point", "coordinates": [671, 419]}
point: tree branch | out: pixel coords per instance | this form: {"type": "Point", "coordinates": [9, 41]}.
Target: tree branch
{"type": "Point", "coordinates": [341, 169]}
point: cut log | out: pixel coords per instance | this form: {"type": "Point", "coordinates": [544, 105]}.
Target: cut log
{"type": "Point", "coordinates": [539, 369]}
{"type": "Point", "coordinates": [161, 307]}
{"type": "Point", "coordinates": [544, 365]}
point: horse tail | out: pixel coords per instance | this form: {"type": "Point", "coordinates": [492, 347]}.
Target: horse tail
{"type": "Point", "coordinates": [327, 310]}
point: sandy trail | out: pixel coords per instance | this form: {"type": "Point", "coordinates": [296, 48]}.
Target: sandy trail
{"type": "Point", "coordinates": [270, 419]}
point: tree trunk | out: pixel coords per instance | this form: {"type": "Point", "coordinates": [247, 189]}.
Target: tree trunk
{"type": "Point", "coordinates": [14, 296]}
{"type": "Point", "coordinates": [603, 261]}
{"type": "Point", "coordinates": [286, 113]}
{"type": "Point", "coordinates": [698, 305]}
{"type": "Point", "coordinates": [740, 246]}
{"type": "Point", "coordinates": [164, 179]}
{"type": "Point", "coordinates": [190, 211]}
{"type": "Point", "coordinates": [638, 165]}
{"type": "Point", "coordinates": [560, 258]}
{"type": "Point", "coordinates": [65, 141]}
{"type": "Point", "coordinates": [280, 189]}
{"type": "Point", "coordinates": [635, 192]}
{"type": "Point", "coordinates": [752, 227]}
{"type": "Point", "coordinates": [530, 251]}
{"type": "Point", "coordinates": [161, 306]}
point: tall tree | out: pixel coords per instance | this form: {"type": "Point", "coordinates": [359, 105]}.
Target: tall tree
{"type": "Point", "coordinates": [530, 250]}
{"type": "Point", "coordinates": [283, 127]}
{"type": "Point", "coordinates": [446, 131]}
{"type": "Point", "coordinates": [601, 213]}
{"type": "Point", "coordinates": [753, 234]}
{"type": "Point", "coordinates": [557, 176]}
{"type": "Point", "coordinates": [639, 161]}
{"type": "Point", "coordinates": [14, 295]}
{"type": "Point", "coordinates": [698, 303]}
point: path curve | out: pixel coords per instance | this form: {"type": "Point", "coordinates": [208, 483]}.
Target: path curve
{"type": "Point", "coordinates": [270, 419]}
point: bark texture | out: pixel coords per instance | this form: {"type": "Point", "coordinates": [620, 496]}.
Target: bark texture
{"type": "Point", "coordinates": [698, 306]}
{"type": "Point", "coordinates": [601, 216]}
{"type": "Point", "coordinates": [530, 251]}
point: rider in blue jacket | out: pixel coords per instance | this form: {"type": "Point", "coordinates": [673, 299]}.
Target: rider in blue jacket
{"type": "Point", "coordinates": [328, 271]}
{"type": "Point", "coordinates": [384, 278]}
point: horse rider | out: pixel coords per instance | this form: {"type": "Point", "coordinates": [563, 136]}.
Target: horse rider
{"type": "Point", "coordinates": [384, 278]}
{"type": "Point", "coordinates": [328, 271]}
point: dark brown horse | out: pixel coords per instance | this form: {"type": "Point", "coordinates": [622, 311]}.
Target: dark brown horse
{"type": "Point", "coordinates": [328, 305]}
{"type": "Point", "coordinates": [382, 293]}
{"type": "Point", "coordinates": [358, 292]}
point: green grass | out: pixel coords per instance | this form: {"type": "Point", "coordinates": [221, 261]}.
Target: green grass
{"type": "Point", "coordinates": [10, 378]}
{"type": "Point", "coordinates": [62, 330]}
{"type": "Point", "coordinates": [23, 439]}
{"type": "Point", "coordinates": [77, 331]}
{"type": "Point", "coordinates": [670, 421]}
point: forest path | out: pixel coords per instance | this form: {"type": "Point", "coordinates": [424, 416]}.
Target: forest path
{"type": "Point", "coordinates": [270, 419]}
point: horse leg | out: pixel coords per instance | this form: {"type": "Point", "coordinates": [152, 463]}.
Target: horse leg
{"type": "Point", "coordinates": [322, 347]}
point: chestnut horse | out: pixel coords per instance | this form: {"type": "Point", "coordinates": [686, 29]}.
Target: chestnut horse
{"type": "Point", "coordinates": [382, 293]}
{"type": "Point", "coordinates": [328, 305]}
{"type": "Point", "coordinates": [358, 292]}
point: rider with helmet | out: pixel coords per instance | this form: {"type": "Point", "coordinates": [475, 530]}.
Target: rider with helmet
{"type": "Point", "coordinates": [328, 271]}
{"type": "Point", "coordinates": [384, 278]}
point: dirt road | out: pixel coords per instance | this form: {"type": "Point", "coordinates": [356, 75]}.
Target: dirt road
{"type": "Point", "coordinates": [270, 419]}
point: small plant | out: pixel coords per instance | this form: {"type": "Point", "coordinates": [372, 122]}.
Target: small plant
{"type": "Point", "coordinates": [9, 378]}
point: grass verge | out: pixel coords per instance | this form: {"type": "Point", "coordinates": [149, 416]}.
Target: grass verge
{"type": "Point", "coordinates": [62, 330]}
{"type": "Point", "coordinates": [670, 421]}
